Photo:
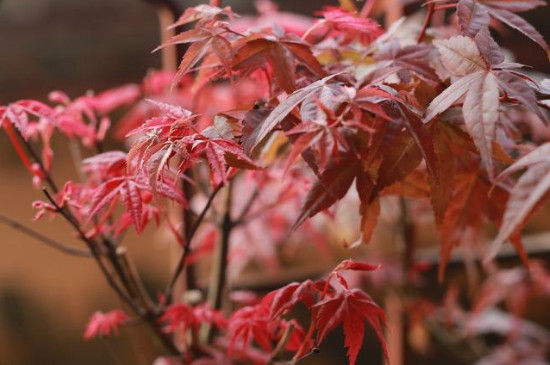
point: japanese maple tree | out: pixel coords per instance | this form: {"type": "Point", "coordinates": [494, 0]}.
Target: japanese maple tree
{"type": "Point", "coordinates": [267, 127]}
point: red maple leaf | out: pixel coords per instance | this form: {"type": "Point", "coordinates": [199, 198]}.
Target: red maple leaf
{"type": "Point", "coordinates": [183, 317]}
{"type": "Point", "coordinates": [135, 192]}
{"type": "Point", "coordinates": [105, 324]}
{"type": "Point", "coordinates": [350, 308]}
{"type": "Point", "coordinates": [347, 25]}
{"type": "Point", "coordinates": [287, 297]}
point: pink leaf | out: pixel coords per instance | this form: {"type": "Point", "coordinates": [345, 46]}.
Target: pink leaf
{"type": "Point", "coordinates": [472, 16]}
{"type": "Point", "coordinates": [281, 111]}
{"type": "Point", "coordinates": [460, 55]}
{"type": "Point", "coordinates": [450, 96]}
{"type": "Point", "coordinates": [356, 266]}
{"type": "Point", "coordinates": [481, 114]}
{"type": "Point", "coordinates": [105, 324]}
{"type": "Point", "coordinates": [519, 24]}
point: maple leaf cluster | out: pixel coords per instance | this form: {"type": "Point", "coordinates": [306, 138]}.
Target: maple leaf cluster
{"type": "Point", "coordinates": [286, 116]}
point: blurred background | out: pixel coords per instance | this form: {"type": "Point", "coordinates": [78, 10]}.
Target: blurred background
{"type": "Point", "coordinates": [74, 46]}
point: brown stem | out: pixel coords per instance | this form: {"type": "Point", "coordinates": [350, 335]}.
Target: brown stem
{"type": "Point", "coordinates": [397, 324]}
{"type": "Point", "coordinates": [309, 336]}
{"type": "Point", "coordinates": [188, 229]}
{"type": "Point", "coordinates": [219, 269]}
{"type": "Point", "coordinates": [36, 158]}
{"type": "Point", "coordinates": [187, 248]}
{"type": "Point", "coordinates": [94, 250]}
{"type": "Point", "coordinates": [241, 218]}
{"type": "Point", "coordinates": [427, 21]}
{"type": "Point", "coordinates": [148, 316]}
{"type": "Point", "coordinates": [280, 348]}
{"type": "Point", "coordinates": [135, 281]}
{"type": "Point", "coordinates": [294, 361]}
{"type": "Point", "coordinates": [44, 239]}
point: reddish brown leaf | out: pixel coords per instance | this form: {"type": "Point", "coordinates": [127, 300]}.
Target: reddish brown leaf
{"type": "Point", "coordinates": [398, 161]}
{"type": "Point", "coordinates": [288, 296]}
{"type": "Point", "coordinates": [460, 55]}
{"type": "Point", "coordinates": [355, 266]}
{"type": "Point", "coordinates": [481, 115]}
{"type": "Point", "coordinates": [472, 16]}
{"type": "Point", "coordinates": [489, 49]}
{"type": "Point", "coordinates": [526, 196]}
{"type": "Point", "coordinates": [332, 185]}
{"type": "Point", "coordinates": [369, 209]}
{"type": "Point", "coordinates": [450, 96]}
{"type": "Point", "coordinates": [350, 308]}
{"type": "Point", "coordinates": [281, 111]}
{"type": "Point", "coordinates": [518, 23]}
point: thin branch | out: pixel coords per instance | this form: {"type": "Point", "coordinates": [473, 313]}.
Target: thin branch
{"type": "Point", "coordinates": [313, 351]}
{"type": "Point", "coordinates": [247, 207]}
{"type": "Point", "coordinates": [44, 239]}
{"type": "Point", "coordinates": [281, 345]}
{"type": "Point", "coordinates": [188, 226]}
{"type": "Point", "coordinates": [94, 250]}
{"type": "Point", "coordinates": [220, 265]}
{"type": "Point", "coordinates": [187, 248]}
{"type": "Point", "coordinates": [39, 162]}
{"type": "Point", "coordinates": [427, 21]}
{"type": "Point", "coordinates": [219, 268]}
{"type": "Point", "coordinates": [135, 280]}
{"type": "Point", "coordinates": [309, 336]}
{"type": "Point", "coordinates": [148, 315]}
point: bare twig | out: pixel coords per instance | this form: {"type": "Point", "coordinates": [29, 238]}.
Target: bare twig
{"type": "Point", "coordinates": [187, 248]}
{"type": "Point", "coordinates": [135, 279]}
{"type": "Point", "coordinates": [427, 21]}
{"type": "Point", "coordinates": [313, 351]}
{"type": "Point", "coordinates": [397, 324]}
{"type": "Point", "coordinates": [219, 268]}
{"type": "Point", "coordinates": [188, 228]}
{"type": "Point", "coordinates": [148, 315]}
{"type": "Point", "coordinates": [220, 264]}
{"type": "Point", "coordinates": [305, 343]}
{"type": "Point", "coordinates": [94, 250]}
{"type": "Point", "coordinates": [247, 207]}
{"type": "Point", "coordinates": [44, 239]}
{"type": "Point", "coordinates": [281, 345]}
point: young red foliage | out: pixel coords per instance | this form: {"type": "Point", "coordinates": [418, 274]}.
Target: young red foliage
{"type": "Point", "coordinates": [283, 120]}
{"type": "Point", "coordinates": [181, 317]}
{"type": "Point", "coordinates": [350, 308]}
{"type": "Point", "coordinates": [105, 324]}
